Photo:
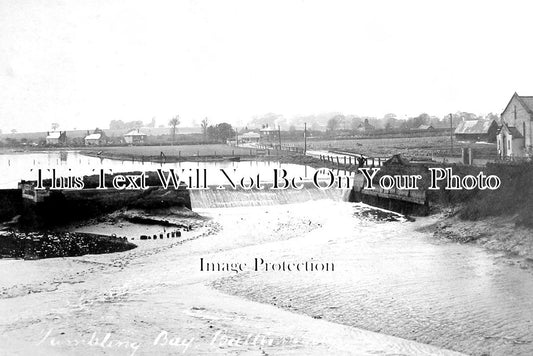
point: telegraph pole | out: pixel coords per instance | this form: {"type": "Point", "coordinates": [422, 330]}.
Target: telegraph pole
{"type": "Point", "coordinates": [451, 135]}
{"type": "Point", "coordinates": [305, 138]}
{"type": "Point", "coordinates": [279, 135]}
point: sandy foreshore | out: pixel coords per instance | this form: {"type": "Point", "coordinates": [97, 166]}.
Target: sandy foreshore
{"type": "Point", "coordinates": [155, 299]}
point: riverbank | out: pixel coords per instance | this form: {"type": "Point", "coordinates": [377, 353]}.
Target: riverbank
{"type": "Point", "coordinates": [498, 234]}
{"type": "Point", "coordinates": [227, 153]}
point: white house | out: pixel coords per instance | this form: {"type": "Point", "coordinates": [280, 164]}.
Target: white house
{"type": "Point", "coordinates": [269, 133]}
{"type": "Point", "coordinates": [95, 139]}
{"type": "Point", "coordinates": [135, 137]}
{"type": "Point", "coordinates": [56, 138]}
{"type": "Point", "coordinates": [250, 137]}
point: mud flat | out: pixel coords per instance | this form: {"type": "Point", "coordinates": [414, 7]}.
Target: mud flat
{"type": "Point", "coordinates": [58, 244]}
{"type": "Point", "coordinates": [499, 234]}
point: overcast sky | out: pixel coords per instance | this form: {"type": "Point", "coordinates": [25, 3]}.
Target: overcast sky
{"type": "Point", "coordinates": [84, 63]}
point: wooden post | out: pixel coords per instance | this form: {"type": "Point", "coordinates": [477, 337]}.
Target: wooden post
{"type": "Point", "coordinates": [305, 138]}
{"type": "Point", "coordinates": [279, 135]}
{"type": "Point", "coordinates": [451, 135]}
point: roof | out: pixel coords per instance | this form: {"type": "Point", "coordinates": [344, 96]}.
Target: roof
{"type": "Point", "coordinates": [135, 132]}
{"type": "Point", "coordinates": [95, 136]}
{"type": "Point", "coordinates": [268, 129]}
{"type": "Point", "coordinates": [425, 127]}
{"type": "Point", "coordinates": [56, 134]}
{"type": "Point", "coordinates": [526, 101]}
{"type": "Point", "coordinates": [474, 127]}
{"type": "Point", "coordinates": [396, 159]}
{"type": "Point", "coordinates": [250, 135]}
{"type": "Point", "coordinates": [512, 130]}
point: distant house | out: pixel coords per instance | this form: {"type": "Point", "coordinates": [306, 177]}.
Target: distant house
{"type": "Point", "coordinates": [514, 138]}
{"type": "Point", "coordinates": [249, 137]}
{"type": "Point", "coordinates": [476, 130]}
{"type": "Point", "coordinates": [268, 133]}
{"type": "Point", "coordinates": [56, 138]}
{"type": "Point", "coordinates": [423, 128]}
{"type": "Point", "coordinates": [365, 127]}
{"type": "Point", "coordinates": [95, 139]}
{"type": "Point", "coordinates": [135, 137]}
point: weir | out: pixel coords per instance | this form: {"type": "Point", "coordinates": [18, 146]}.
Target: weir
{"type": "Point", "coordinates": [229, 197]}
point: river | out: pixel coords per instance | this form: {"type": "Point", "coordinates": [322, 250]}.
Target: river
{"type": "Point", "coordinates": [394, 290]}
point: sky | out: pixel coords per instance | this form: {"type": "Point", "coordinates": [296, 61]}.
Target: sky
{"type": "Point", "coordinates": [84, 63]}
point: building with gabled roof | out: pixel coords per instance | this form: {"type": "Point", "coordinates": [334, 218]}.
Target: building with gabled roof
{"type": "Point", "coordinates": [514, 138]}
{"type": "Point", "coordinates": [477, 130]}
{"type": "Point", "coordinates": [135, 137]}
{"type": "Point", "coordinates": [94, 139]}
{"type": "Point", "coordinates": [56, 138]}
{"type": "Point", "coordinates": [250, 137]}
{"type": "Point", "coordinates": [424, 128]}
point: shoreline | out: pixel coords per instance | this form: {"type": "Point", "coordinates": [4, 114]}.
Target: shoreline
{"type": "Point", "coordinates": [283, 157]}
{"type": "Point", "coordinates": [495, 234]}
{"type": "Point", "coordinates": [351, 299]}
{"type": "Point", "coordinates": [499, 235]}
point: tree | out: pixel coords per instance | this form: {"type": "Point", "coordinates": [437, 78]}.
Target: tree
{"type": "Point", "coordinates": [422, 119]}
{"type": "Point", "coordinates": [55, 126]}
{"type": "Point", "coordinates": [459, 117]}
{"type": "Point", "coordinates": [355, 122]}
{"type": "Point", "coordinates": [341, 121]}
{"type": "Point", "coordinates": [391, 123]}
{"type": "Point", "coordinates": [333, 124]}
{"type": "Point", "coordinates": [221, 132]}
{"type": "Point", "coordinates": [121, 125]}
{"type": "Point", "coordinates": [492, 116]}
{"type": "Point", "coordinates": [204, 125]}
{"type": "Point", "coordinates": [175, 121]}
{"type": "Point", "coordinates": [224, 132]}
{"type": "Point", "coordinates": [270, 119]}
{"type": "Point", "coordinates": [211, 133]}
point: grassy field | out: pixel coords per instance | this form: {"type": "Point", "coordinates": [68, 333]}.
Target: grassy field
{"type": "Point", "coordinates": [438, 146]}
{"type": "Point", "coordinates": [176, 151]}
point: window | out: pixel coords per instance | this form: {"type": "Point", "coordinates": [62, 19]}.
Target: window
{"type": "Point", "coordinates": [509, 144]}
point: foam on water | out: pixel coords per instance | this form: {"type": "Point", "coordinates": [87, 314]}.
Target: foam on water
{"type": "Point", "coordinates": [225, 198]}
